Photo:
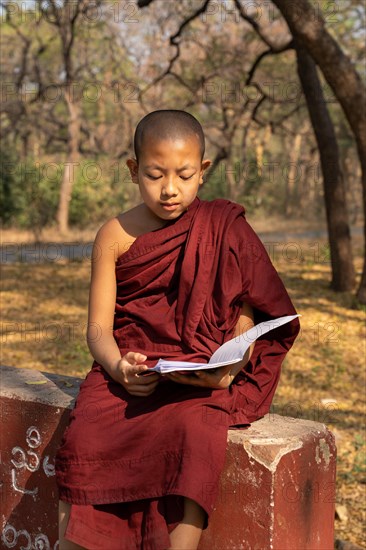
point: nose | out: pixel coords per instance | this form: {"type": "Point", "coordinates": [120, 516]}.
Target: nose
{"type": "Point", "coordinates": [169, 188]}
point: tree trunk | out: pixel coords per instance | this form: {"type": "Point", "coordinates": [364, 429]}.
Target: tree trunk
{"type": "Point", "coordinates": [308, 27]}
{"type": "Point", "coordinates": [343, 275]}
{"type": "Point", "coordinates": [361, 293]}
{"type": "Point", "coordinates": [292, 173]}
{"type": "Point", "coordinates": [72, 161]}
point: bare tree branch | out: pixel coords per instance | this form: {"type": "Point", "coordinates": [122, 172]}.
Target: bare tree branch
{"type": "Point", "coordinates": [174, 42]}
{"type": "Point", "coordinates": [257, 28]}
{"type": "Point", "coordinates": [194, 15]}
{"type": "Point", "coordinates": [270, 51]}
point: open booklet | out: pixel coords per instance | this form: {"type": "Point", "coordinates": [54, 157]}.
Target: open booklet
{"type": "Point", "coordinates": [231, 352]}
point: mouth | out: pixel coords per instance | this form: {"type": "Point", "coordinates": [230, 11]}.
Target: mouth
{"type": "Point", "coordinates": [169, 205]}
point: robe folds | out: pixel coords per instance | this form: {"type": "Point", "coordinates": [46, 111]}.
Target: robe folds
{"type": "Point", "coordinates": [125, 463]}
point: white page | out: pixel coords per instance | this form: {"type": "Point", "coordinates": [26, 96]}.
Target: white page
{"type": "Point", "coordinates": [229, 353]}
{"type": "Point", "coordinates": [234, 349]}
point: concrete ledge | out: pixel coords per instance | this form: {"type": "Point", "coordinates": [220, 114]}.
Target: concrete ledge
{"type": "Point", "coordinates": [277, 488]}
{"type": "Point", "coordinates": [35, 407]}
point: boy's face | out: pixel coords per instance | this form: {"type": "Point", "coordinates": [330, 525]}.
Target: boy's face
{"type": "Point", "coordinates": [169, 172]}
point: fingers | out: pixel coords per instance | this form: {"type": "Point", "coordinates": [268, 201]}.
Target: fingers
{"type": "Point", "coordinates": [136, 360]}
{"type": "Point", "coordinates": [137, 367]}
{"type": "Point", "coordinates": [132, 380]}
{"type": "Point", "coordinates": [142, 390]}
{"type": "Point", "coordinates": [135, 356]}
{"type": "Point", "coordinates": [143, 384]}
{"type": "Point", "coordinates": [209, 371]}
{"type": "Point", "coordinates": [202, 379]}
{"type": "Point", "coordinates": [205, 379]}
{"type": "Point", "coordinates": [145, 380]}
{"type": "Point", "coordinates": [140, 393]}
{"type": "Point", "coordinates": [184, 379]}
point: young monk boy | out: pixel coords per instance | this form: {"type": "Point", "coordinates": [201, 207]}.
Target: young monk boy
{"type": "Point", "coordinates": [174, 277]}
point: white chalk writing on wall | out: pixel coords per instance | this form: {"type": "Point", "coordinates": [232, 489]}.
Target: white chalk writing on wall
{"type": "Point", "coordinates": [10, 538]}
{"type": "Point", "coordinates": [29, 460]}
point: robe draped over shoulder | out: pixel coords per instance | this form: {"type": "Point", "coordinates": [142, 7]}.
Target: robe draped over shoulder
{"type": "Point", "coordinates": [180, 290]}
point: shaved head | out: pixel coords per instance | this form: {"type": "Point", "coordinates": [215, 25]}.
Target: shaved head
{"type": "Point", "coordinates": [169, 124]}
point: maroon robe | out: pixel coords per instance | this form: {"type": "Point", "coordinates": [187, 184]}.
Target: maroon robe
{"type": "Point", "coordinates": [126, 462]}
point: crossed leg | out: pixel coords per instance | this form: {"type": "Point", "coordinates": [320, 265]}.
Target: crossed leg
{"type": "Point", "coordinates": [185, 536]}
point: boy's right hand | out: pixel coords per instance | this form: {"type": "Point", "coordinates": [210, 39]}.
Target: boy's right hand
{"type": "Point", "coordinates": [126, 373]}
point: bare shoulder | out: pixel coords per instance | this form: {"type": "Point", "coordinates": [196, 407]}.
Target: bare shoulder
{"type": "Point", "coordinates": [112, 238]}
{"type": "Point", "coordinates": [132, 221]}
{"type": "Point", "coordinates": [117, 234]}
{"type": "Point", "coordinates": [138, 221]}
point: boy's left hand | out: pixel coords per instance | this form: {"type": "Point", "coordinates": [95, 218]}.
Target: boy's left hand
{"type": "Point", "coordinates": [218, 379]}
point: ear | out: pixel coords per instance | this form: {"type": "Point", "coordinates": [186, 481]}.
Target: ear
{"type": "Point", "coordinates": [133, 168]}
{"type": "Point", "coordinates": [204, 165]}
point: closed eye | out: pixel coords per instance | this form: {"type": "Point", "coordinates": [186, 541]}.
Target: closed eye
{"type": "Point", "coordinates": [184, 178]}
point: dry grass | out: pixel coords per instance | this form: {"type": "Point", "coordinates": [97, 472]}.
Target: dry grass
{"type": "Point", "coordinates": [45, 315]}
{"type": "Point", "coordinates": [323, 377]}
{"type": "Point", "coordinates": [50, 234]}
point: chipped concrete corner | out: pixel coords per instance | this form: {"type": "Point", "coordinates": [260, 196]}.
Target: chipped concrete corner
{"type": "Point", "coordinates": [280, 477]}
{"type": "Point", "coordinates": [269, 452]}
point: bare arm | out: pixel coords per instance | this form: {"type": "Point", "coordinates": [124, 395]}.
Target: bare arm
{"type": "Point", "coordinates": [102, 301]}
